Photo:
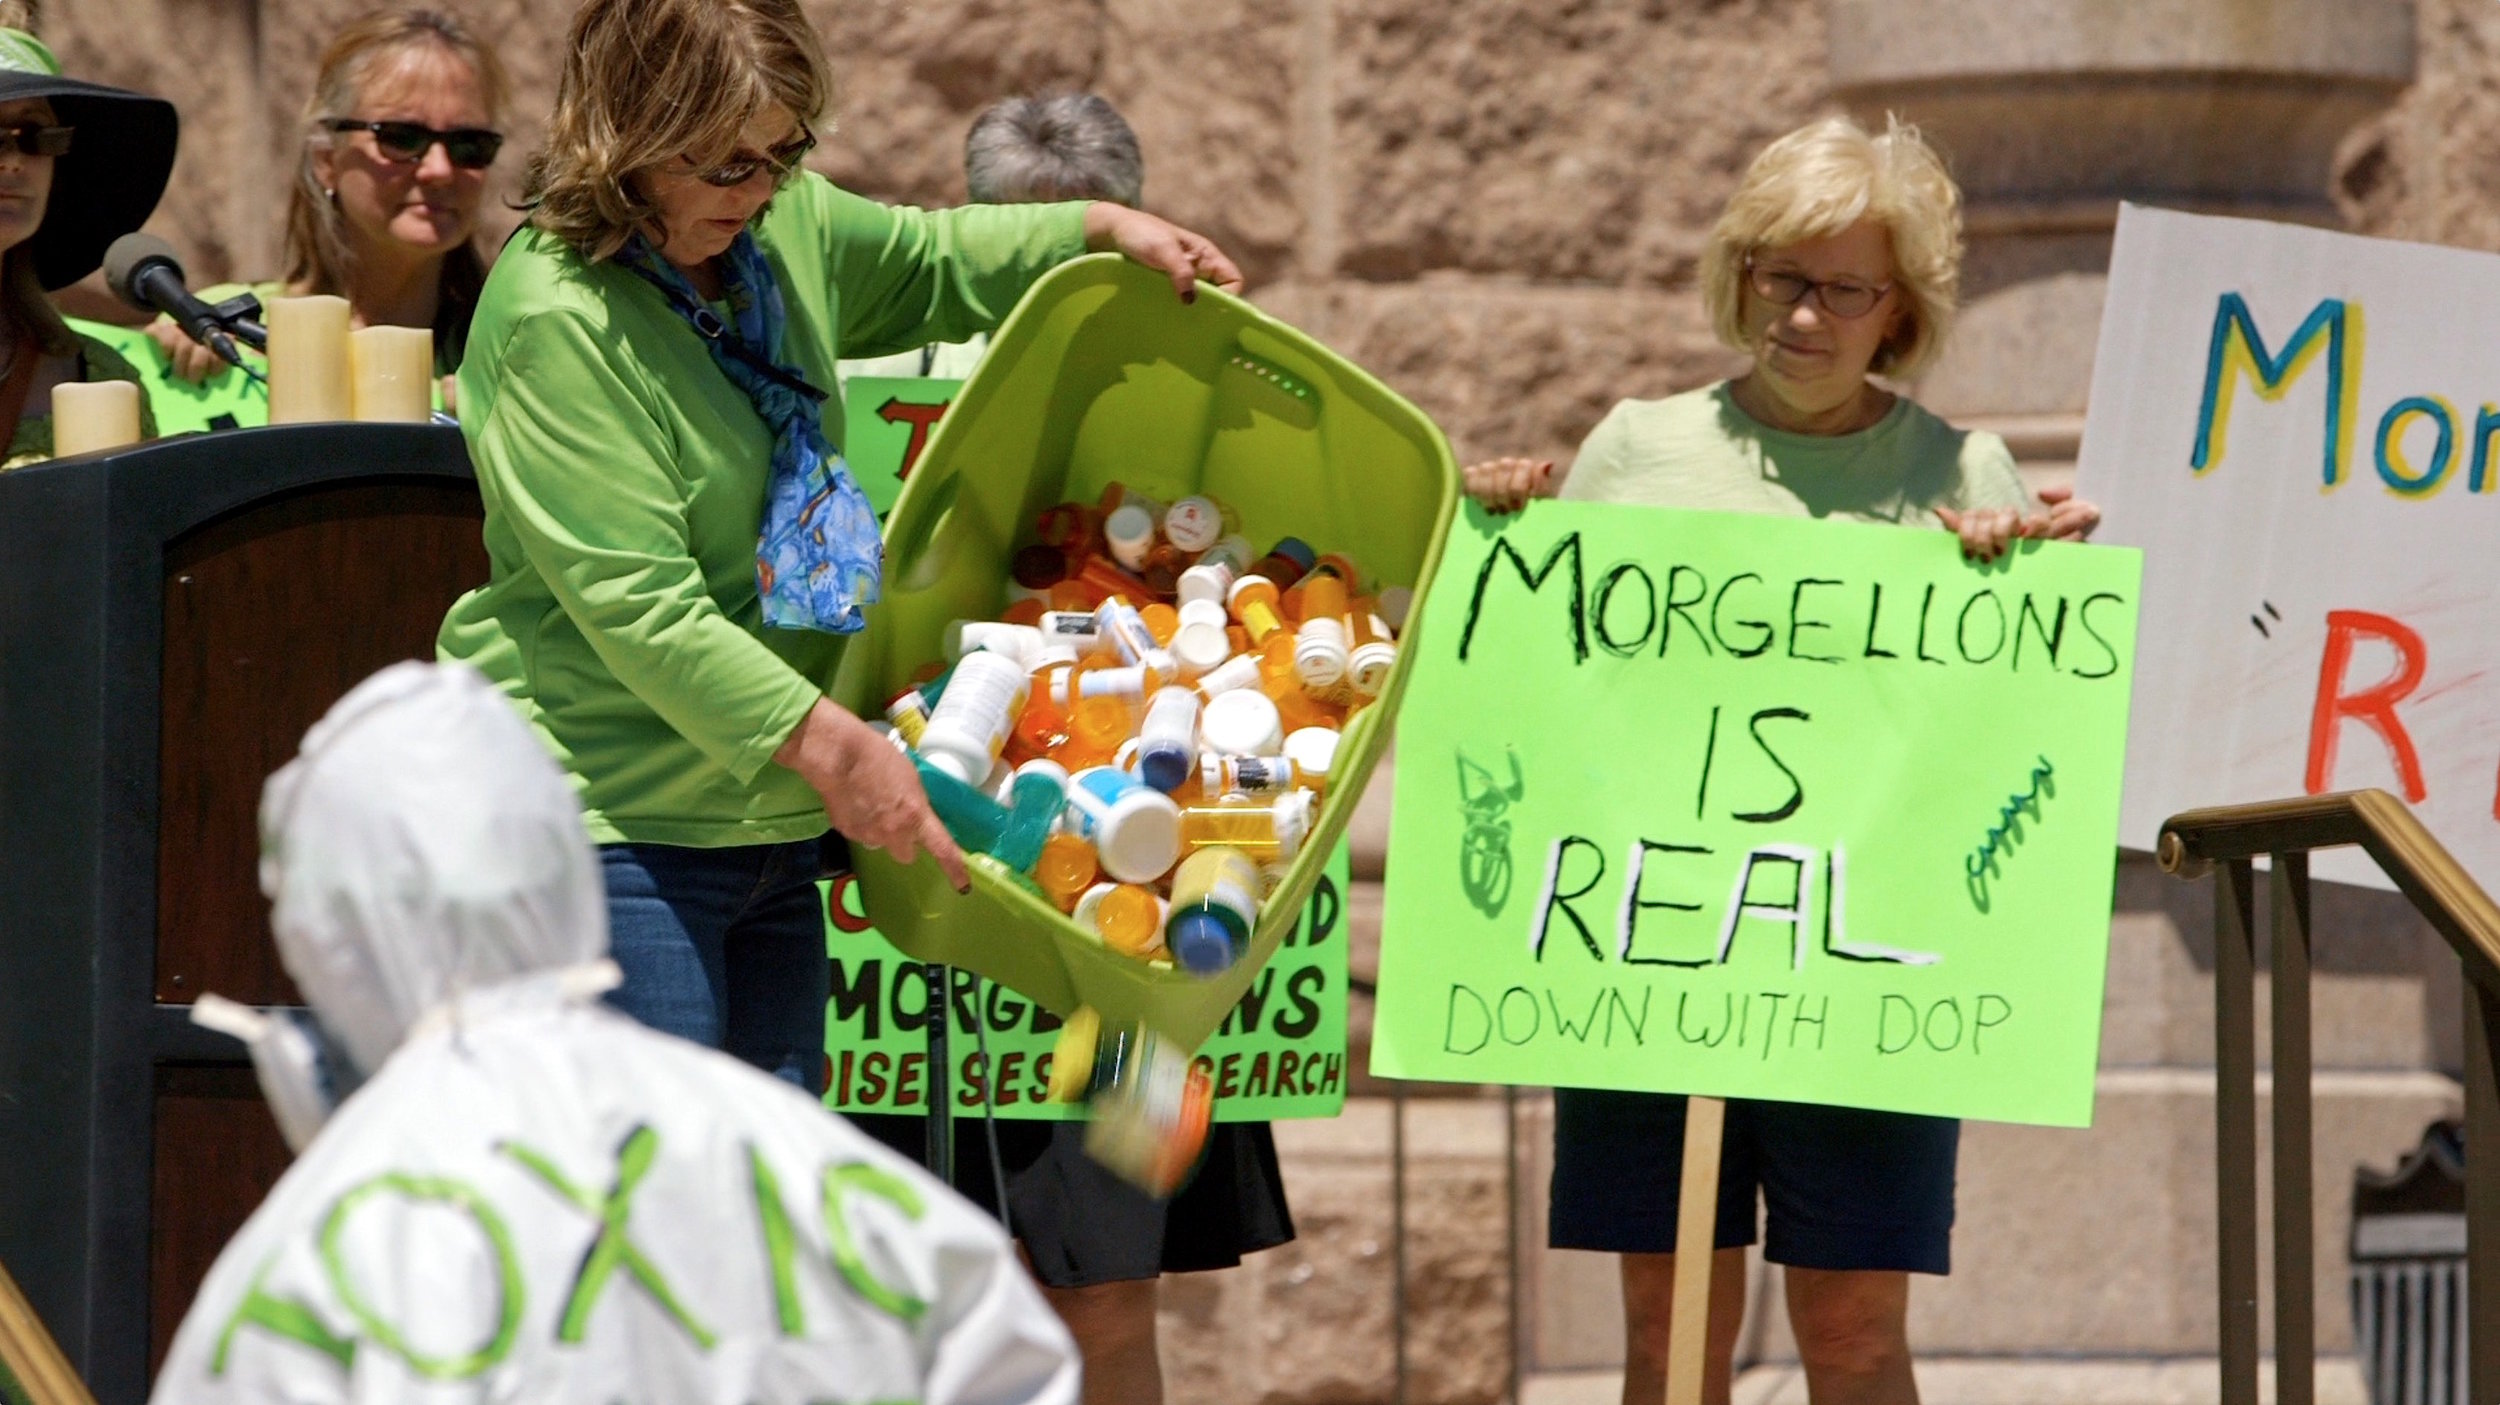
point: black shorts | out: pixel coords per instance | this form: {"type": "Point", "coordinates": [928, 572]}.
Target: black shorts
{"type": "Point", "coordinates": [1082, 1225]}
{"type": "Point", "coordinates": [1846, 1188]}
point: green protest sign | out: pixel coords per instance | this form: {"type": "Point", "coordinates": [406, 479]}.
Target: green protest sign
{"type": "Point", "coordinates": [228, 399]}
{"type": "Point", "coordinates": [1759, 807]}
{"type": "Point", "coordinates": [886, 422]}
{"type": "Point", "coordinates": [1279, 1055]}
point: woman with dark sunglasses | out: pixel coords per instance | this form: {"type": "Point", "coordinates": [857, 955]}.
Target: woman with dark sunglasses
{"type": "Point", "coordinates": [679, 553]}
{"type": "Point", "coordinates": [398, 135]}
{"type": "Point", "coordinates": [80, 165]}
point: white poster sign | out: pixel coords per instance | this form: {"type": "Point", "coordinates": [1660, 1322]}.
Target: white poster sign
{"type": "Point", "coordinates": [2302, 430]}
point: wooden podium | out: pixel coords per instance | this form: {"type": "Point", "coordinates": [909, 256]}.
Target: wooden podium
{"type": "Point", "coordinates": [172, 618]}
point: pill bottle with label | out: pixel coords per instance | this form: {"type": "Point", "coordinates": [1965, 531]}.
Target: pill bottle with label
{"type": "Point", "coordinates": [1320, 644]}
{"type": "Point", "coordinates": [1193, 524]}
{"type": "Point", "coordinates": [1269, 831]}
{"type": "Point", "coordinates": [1249, 775]}
{"type": "Point", "coordinates": [1070, 627]}
{"type": "Point", "coordinates": [1167, 741]}
{"type": "Point", "coordinates": [1023, 643]}
{"type": "Point", "coordinates": [1215, 906]}
{"type": "Point", "coordinates": [1134, 828]}
{"type": "Point", "coordinates": [1253, 601]}
{"type": "Point", "coordinates": [1371, 652]}
{"type": "Point", "coordinates": [969, 726]}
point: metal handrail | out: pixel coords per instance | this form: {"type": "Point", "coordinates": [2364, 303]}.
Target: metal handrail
{"type": "Point", "coordinates": [2226, 839]}
{"type": "Point", "coordinates": [2382, 825]}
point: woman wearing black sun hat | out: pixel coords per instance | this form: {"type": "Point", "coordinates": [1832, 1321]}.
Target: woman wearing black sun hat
{"type": "Point", "coordinates": [81, 164]}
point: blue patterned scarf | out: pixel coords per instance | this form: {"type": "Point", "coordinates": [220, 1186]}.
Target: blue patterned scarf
{"type": "Point", "coordinates": [819, 559]}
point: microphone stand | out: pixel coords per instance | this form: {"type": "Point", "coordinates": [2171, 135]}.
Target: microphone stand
{"type": "Point", "coordinates": [240, 317]}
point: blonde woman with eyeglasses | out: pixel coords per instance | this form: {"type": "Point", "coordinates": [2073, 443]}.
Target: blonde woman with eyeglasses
{"type": "Point", "coordinates": [1836, 262]}
{"type": "Point", "coordinates": [679, 553]}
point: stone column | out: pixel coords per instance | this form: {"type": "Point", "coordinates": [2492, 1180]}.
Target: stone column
{"type": "Point", "coordinates": [2053, 111]}
{"type": "Point", "coordinates": [2100, 1244]}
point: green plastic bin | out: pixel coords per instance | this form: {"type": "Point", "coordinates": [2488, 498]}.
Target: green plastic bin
{"type": "Point", "coordinates": [1102, 374]}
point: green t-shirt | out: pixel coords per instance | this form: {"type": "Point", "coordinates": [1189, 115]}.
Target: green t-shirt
{"type": "Point", "coordinates": [1698, 450]}
{"type": "Point", "coordinates": [624, 481]}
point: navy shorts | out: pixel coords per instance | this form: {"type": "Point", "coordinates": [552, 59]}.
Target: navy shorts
{"type": "Point", "coordinates": [1846, 1188]}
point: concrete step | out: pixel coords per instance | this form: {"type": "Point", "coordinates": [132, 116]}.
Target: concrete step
{"type": "Point", "coordinates": [1992, 1381]}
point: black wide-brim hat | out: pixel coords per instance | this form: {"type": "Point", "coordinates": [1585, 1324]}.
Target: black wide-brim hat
{"type": "Point", "coordinates": [109, 181]}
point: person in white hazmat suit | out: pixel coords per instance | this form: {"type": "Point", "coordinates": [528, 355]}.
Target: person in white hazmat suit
{"type": "Point", "coordinates": [534, 1198]}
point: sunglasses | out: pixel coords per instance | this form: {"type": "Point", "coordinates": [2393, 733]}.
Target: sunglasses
{"type": "Point", "coordinates": [36, 139]}
{"type": "Point", "coordinates": [782, 160]}
{"type": "Point", "coordinates": [470, 148]}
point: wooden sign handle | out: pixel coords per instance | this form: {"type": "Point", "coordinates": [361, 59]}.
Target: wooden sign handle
{"type": "Point", "coordinates": [1696, 1224]}
{"type": "Point", "coordinates": [30, 1356]}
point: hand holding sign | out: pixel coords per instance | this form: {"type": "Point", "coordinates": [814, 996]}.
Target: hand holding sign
{"type": "Point", "coordinates": [1797, 810]}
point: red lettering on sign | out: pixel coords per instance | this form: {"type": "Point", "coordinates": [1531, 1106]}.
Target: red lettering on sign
{"type": "Point", "coordinates": [921, 418]}
{"type": "Point", "coordinates": [838, 904]}
{"type": "Point", "coordinates": [2374, 706]}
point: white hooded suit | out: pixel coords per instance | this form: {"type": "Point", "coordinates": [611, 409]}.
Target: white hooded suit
{"type": "Point", "coordinates": [534, 1198]}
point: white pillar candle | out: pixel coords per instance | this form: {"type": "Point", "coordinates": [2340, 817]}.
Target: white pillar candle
{"type": "Point", "coordinates": [308, 360]}
{"type": "Point", "coordinates": [87, 418]}
{"type": "Point", "coordinates": [394, 369]}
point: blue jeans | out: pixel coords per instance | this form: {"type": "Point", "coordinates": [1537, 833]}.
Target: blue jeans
{"type": "Point", "coordinates": [725, 947]}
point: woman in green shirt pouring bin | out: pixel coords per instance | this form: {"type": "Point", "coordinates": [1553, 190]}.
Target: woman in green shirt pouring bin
{"type": "Point", "coordinates": [644, 395]}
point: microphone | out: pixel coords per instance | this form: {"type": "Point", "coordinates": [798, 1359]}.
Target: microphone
{"type": "Point", "coordinates": [142, 271]}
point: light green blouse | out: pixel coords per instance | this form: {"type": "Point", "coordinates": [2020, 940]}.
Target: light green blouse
{"type": "Point", "coordinates": [1698, 450]}
{"type": "Point", "coordinates": [624, 481]}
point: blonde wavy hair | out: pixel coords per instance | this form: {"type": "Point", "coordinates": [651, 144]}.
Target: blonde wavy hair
{"type": "Point", "coordinates": [1823, 178]}
{"type": "Point", "coordinates": [648, 81]}
{"type": "Point", "coordinates": [318, 258]}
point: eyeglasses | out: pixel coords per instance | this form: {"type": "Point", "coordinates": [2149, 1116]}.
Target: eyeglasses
{"type": "Point", "coordinates": [782, 160]}
{"type": "Point", "coordinates": [470, 148]}
{"type": "Point", "coordinates": [1845, 298]}
{"type": "Point", "coordinates": [36, 139]}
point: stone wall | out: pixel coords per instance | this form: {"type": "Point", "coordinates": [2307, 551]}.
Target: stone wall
{"type": "Point", "coordinates": [1495, 206]}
